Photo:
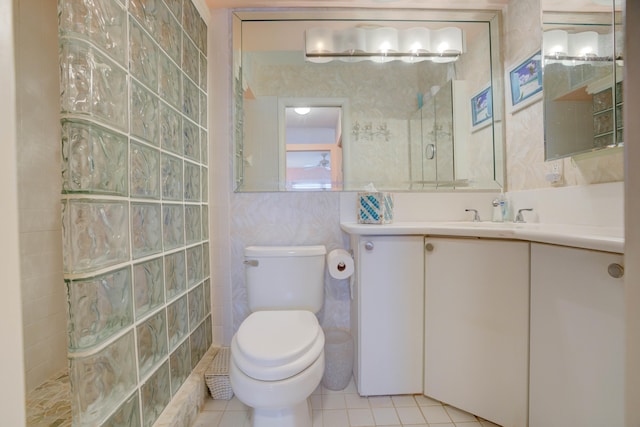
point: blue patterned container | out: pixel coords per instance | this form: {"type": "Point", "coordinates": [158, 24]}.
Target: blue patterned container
{"type": "Point", "coordinates": [375, 208]}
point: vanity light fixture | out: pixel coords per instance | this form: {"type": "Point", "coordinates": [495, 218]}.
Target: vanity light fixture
{"type": "Point", "coordinates": [571, 47]}
{"type": "Point", "coordinates": [383, 44]}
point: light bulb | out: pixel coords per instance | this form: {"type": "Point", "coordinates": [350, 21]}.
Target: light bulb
{"type": "Point", "coordinates": [555, 50]}
{"type": "Point", "coordinates": [555, 43]}
{"type": "Point", "coordinates": [586, 51]}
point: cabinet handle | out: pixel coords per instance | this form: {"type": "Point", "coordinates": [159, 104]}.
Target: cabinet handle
{"type": "Point", "coordinates": [615, 270]}
{"type": "Point", "coordinates": [369, 246]}
{"type": "Point", "coordinates": [429, 247]}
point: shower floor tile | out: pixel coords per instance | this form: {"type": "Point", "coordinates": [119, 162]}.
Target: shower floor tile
{"type": "Point", "coordinates": [49, 404]}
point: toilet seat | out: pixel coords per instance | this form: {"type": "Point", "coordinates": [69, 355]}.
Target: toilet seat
{"type": "Point", "coordinates": [274, 345]}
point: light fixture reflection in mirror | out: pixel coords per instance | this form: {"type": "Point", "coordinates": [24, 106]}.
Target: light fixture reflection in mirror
{"type": "Point", "coordinates": [568, 47]}
{"type": "Point", "coordinates": [377, 43]}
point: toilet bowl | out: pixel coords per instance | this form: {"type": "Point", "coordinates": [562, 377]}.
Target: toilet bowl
{"type": "Point", "coordinates": [277, 361]}
{"type": "Point", "coordinates": [277, 354]}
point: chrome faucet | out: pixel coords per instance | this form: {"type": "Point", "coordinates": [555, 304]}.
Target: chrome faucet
{"type": "Point", "coordinates": [520, 217]}
{"type": "Point", "coordinates": [476, 217]}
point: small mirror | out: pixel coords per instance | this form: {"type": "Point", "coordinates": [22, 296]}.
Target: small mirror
{"type": "Point", "coordinates": [388, 98]}
{"type": "Point", "coordinates": [582, 82]}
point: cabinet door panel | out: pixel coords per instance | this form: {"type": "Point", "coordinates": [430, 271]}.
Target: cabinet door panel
{"type": "Point", "coordinates": [476, 326]}
{"type": "Point", "coordinates": [577, 339]}
{"type": "Point", "coordinates": [390, 294]}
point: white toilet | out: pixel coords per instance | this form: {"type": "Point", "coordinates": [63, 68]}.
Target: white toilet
{"type": "Point", "coordinates": [277, 355]}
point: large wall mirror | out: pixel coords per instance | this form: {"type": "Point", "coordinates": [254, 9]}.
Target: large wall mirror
{"type": "Point", "coordinates": [582, 79]}
{"type": "Point", "coordinates": [336, 100]}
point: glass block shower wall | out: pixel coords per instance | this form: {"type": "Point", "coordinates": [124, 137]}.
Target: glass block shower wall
{"type": "Point", "coordinates": [135, 208]}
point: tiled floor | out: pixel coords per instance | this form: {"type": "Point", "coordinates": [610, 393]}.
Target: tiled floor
{"type": "Point", "coordinates": [347, 409]}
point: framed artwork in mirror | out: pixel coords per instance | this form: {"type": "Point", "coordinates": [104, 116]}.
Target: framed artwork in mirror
{"type": "Point", "coordinates": [481, 109]}
{"type": "Point", "coordinates": [525, 82]}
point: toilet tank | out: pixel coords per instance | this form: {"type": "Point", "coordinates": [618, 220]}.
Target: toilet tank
{"type": "Point", "coordinates": [285, 277]}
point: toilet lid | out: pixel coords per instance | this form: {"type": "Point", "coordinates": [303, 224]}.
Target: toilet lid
{"type": "Point", "coordinates": [272, 345]}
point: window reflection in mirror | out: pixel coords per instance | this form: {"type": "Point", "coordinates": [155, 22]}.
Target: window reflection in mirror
{"type": "Point", "coordinates": [381, 138]}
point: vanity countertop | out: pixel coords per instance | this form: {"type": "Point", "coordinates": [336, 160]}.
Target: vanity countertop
{"type": "Point", "coordinates": [608, 239]}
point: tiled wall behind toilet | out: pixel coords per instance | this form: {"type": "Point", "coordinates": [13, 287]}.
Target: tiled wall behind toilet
{"type": "Point", "coordinates": [135, 205]}
{"type": "Point", "coordinates": [288, 219]}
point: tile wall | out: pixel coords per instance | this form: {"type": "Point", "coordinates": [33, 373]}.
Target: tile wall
{"type": "Point", "coordinates": [306, 218]}
{"type": "Point", "coordinates": [134, 206]}
{"type": "Point", "coordinates": [44, 319]}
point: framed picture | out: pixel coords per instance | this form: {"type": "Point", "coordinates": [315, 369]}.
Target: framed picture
{"type": "Point", "coordinates": [481, 109]}
{"type": "Point", "coordinates": [525, 82]}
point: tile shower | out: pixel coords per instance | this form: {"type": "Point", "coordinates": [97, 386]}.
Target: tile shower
{"type": "Point", "coordinates": [134, 204]}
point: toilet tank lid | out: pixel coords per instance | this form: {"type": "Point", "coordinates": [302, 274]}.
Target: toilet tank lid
{"type": "Point", "coordinates": [284, 251]}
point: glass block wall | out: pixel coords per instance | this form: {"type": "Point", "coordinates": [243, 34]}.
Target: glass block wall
{"type": "Point", "coordinates": [134, 204]}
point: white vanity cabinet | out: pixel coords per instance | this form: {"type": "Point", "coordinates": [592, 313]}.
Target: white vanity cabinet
{"type": "Point", "coordinates": [577, 338]}
{"type": "Point", "coordinates": [387, 314]}
{"type": "Point", "coordinates": [477, 326]}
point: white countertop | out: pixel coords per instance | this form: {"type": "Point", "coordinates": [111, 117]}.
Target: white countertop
{"type": "Point", "coordinates": [608, 239]}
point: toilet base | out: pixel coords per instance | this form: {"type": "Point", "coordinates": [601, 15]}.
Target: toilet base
{"type": "Point", "coordinates": [283, 403]}
{"type": "Point", "coordinates": [298, 415]}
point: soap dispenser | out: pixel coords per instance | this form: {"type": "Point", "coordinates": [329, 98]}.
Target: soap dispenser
{"type": "Point", "coordinates": [504, 205]}
{"type": "Point", "coordinates": [497, 210]}
{"type": "Point", "coordinates": [500, 208]}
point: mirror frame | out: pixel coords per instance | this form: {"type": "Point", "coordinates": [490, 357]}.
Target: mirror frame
{"type": "Point", "coordinates": [493, 18]}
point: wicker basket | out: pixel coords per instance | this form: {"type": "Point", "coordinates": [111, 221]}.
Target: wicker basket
{"type": "Point", "coordinates": [217, 376]}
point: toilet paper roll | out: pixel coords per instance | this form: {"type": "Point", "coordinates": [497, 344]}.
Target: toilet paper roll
{"type": "Point", "coordinates": [340, 264]}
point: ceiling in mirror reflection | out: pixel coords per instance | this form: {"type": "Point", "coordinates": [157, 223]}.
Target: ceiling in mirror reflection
{"type": "Point", "coordinates": [395, 4]}
{"type": "Point", "coordinates": [580, 5]}
{"type": "Point", "coordinates": [555, 5]}
{"type": "Point", "coordinates": [318, 117]}
{"type": "Point", "coordinates": [281, 36]}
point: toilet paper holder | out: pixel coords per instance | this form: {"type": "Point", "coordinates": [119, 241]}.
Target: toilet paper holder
{"type": "Point", "coordinates": [341, 265]}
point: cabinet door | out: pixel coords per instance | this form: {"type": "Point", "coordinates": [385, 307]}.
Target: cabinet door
{"type": "Point", "coordinates": [577, 339]}
{"type": "Point", "coordinates": [390, 333]}
{"type": "Point", "coordinates": [477, 326]}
